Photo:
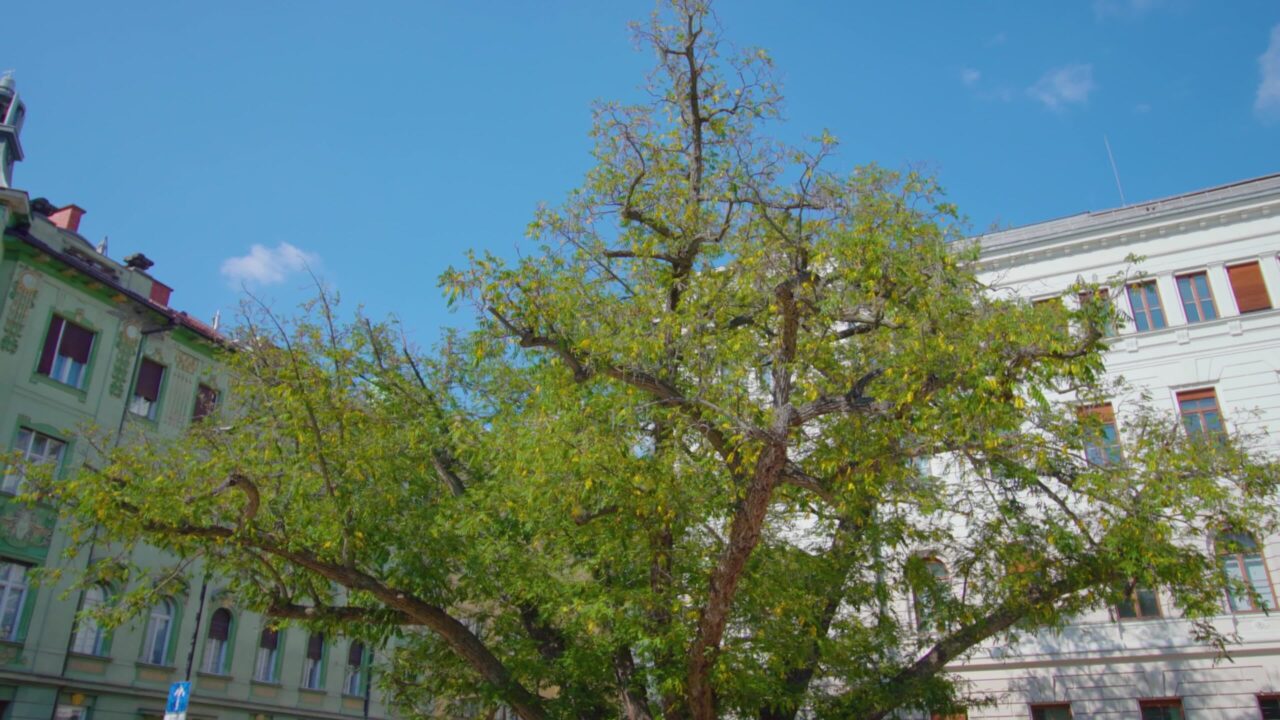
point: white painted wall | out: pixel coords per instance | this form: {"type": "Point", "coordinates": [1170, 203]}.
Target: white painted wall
{"type": "Point", "coordinates": [1101, 666]}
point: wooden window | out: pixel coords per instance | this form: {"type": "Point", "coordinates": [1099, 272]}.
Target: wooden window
{"type": "Point", "coordinates": [1142, 603]}
{"type": "Point", "coordinates": [1244, 567]}
{"type": "Point", "coordinates": [313, 666]}
{"type": "Point", "coordinates": [1144, 300]}
{"type": "Point", "coordinates": [1059, 711]}
{"type": "Point", "coordinates": [37, 449]}
{"type": "Point", "coordinates": [13, 596]}
{"type": "Point", "coordinates": [1200, 414]}
{"type": "Point", "coordinates": [1161, 709]}
{"type": "Point", "coordinates": [1197, 300]}
{"type": "Point", "coordinates": [1248, 287]}
{"type": "Point", "coordinates": [216, 642]}
{"type": "Point", "coordinates": [155, 645]}
{"type": "Point", "coordinates": [1103, 297]}
{"type": "Point", "coordinates": [66, 352]}
{"type": "Point", "coordinates": [353, 683]}
{"type": "Point", "coordinates": [146, 389]}
{"type": "Point", "coordinates": [90, 636]}
{"type": "Point", "coordinates": [928, 598]}
{"type": "Point", "coordinates": [1102, 442]}
{"type": "Point", "coordinates": [206, 402]}
{"type": "Point", "coordinates": [265, 666]}
{"type": "Point", "coordinates": [1269, 706]}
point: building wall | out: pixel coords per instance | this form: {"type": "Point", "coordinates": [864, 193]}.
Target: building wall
{"type": "Point", "coordinates": [1103, 666]}
{"type": "Point", "coordinates": [37, 673]}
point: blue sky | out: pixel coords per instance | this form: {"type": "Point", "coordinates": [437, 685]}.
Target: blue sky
{"type": "Point", "coordinates": [237, 142]}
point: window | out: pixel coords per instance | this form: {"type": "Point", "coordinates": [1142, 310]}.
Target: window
{"type": "Point", "coordinates": [90, 636]}
{"type": "Point", "coordinates": [146, 389]}
{"type": "Point", "coordinates": [353, 684]}
{"type": "Point", "coordinates": [1197, 301]}
{"type": "Point", "coordinates": [1199, 410]}
{"type": "Point", "coordinates": [1269, 706]}
{"type": "Point", "coordinates": [264, 667]}
{"type": "Point", "coordinates": [1242, 563]}
{"type": "Point", "coordinates": [313, 666]}
{"type": "Point", "coordinates": [928, 598]}
{"type": "Point", "coordinates": [216, 642]}
{"type": "Point", "coordinates": [1248, 287]}
{"type": "Point", "coordinates": [1051, 712]}
{"type": "Point", "coordinates": [1161, 709]}
{"type": "Point", "coordinates": [1145, 302]}
{"type": "Point", "coordinates": [66, 352]}
{"type": "Point", "coordinates": [155, 644]}
{"type": "Point", "coordinates": [1103, 297]}
{"type": "Point", "coordinates": [37, 449]}
{"type": "Point", "coordinates": [1102, 443]}
{"type": "Point", "coordinates": [13, 595]}
{"type": "Point", "coordinates": [1139, 604]}
{"type": "Point", "coordinates": [206, 402]}
{"type": "Point", "coordinates": [69, 712]}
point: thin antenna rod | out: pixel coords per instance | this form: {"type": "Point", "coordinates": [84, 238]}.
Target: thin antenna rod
{"type": "Point", "coordinates": [1114, 171]}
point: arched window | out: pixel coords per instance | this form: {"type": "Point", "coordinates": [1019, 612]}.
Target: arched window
{"type": "Point", "coordinates": [90, 635]}
{"type": "Point", "coordinates": [353, 684]}
{"type": "Point", "coordinates": [1242, 563]}
{"type": "Point", "coordinates": [266, 666]}
{"type": "Point", "coordinates": [927, 596]}
{"type": "Point", "coordinates": [313, 666]}
{"type": "Point", "coordinates": [216, 642]}
{"type": "Point", "coordinates": [155, 644]}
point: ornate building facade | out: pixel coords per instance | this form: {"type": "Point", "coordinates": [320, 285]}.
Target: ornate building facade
{"type": "Point", "coordinates": [90, 342]}
{"type": "Point", "coordinates": [1203, 340]}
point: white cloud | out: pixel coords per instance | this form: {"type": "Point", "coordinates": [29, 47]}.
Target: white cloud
{"type": "Point", "coordinates": [268, 266]}
{"type": "Point", "coordinates": [1069, 84]}
{"type": "Point", "coordinates": [970, 77]}
{"type": "Point", "coordinates": [1267, 104]}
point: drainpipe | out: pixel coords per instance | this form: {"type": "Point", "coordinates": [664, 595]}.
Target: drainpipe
{"type": "Point", "coordinates": [195, 634]}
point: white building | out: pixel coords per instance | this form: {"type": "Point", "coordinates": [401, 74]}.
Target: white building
{"type": "Point", "coordinates": [1205, 339]}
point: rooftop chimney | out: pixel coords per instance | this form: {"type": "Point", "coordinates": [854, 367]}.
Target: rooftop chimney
{"type": "Point", "coordinates": [68, 218]}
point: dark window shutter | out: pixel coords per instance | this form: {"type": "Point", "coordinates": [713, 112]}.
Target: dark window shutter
{"type": "Point", "coordinates": [1248, 287]}
{"type": "Point", "coordinates": [355, 656]}
{"type": "Point", "coordinates": [315, 646]}
{"type": "Point", "coordinates": [270, 637]}
{"type": "Point", "coordinates": [220, 625]}
{"type": "Point", "coordinates": [206, 401]}
{"type": "Point", "coordinates": [149, 376]}
{"type": "Point", "coordinates": [50, 346]}
{"type": "Point", "coordinates": [76, 343]}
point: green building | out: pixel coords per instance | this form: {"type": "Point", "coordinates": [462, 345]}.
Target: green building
{"type": "Point", "coordinates": [86, 341]}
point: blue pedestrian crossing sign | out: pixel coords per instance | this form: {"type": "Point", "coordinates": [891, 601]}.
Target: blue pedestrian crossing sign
{"type": "Point", "coordinates": [175, 708]}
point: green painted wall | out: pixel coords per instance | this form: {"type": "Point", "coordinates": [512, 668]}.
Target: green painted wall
{"type": "Point", "coordinates": [37, 673]}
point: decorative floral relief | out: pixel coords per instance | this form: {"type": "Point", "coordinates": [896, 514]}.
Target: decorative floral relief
{"type": "Point", "coordinates": [22, 297]}
{"type": "Point", "coordinates": [126, 347]}
{"type": "Point", "coordinates": [186, 363]}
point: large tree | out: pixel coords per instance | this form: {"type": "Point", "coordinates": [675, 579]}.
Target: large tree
{"type": "Point", "coordinates": [676, 470]}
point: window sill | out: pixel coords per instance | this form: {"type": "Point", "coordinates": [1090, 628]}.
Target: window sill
{"type": "Point", "coordinates": [312, 691]}
{"type": "Point", "coordinates": [210, 674]}
{"type": "Point", "coordinates": [266, 683]}
{"type": "Point", "coordinates": [93, 656]}
{"type": "Point", "coordinates": [152, 666]}
{"type": "Point", "coordinates": [82, 394]}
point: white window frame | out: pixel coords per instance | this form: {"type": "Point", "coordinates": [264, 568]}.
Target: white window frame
{"type": "Point", "coordinates": [90, 636]}
{"type": "Point", "coordinates": [13, 598]}
{"type": "Point", "coordinates": [13, 480]}
{"type": "Point", "coordinates": [159, 632]}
